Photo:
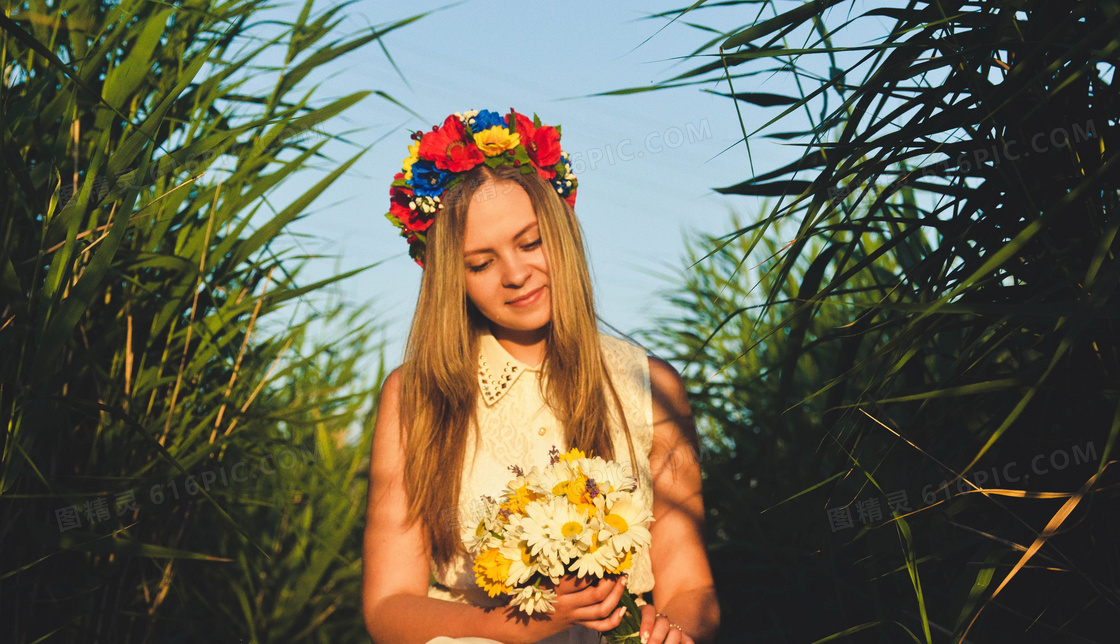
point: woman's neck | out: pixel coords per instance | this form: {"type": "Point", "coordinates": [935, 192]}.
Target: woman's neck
{"type": "Point", "coordinates": [526, 346]}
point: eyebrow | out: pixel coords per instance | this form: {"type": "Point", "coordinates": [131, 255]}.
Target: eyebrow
{"type": "Point", "coordinates": [490, 250]}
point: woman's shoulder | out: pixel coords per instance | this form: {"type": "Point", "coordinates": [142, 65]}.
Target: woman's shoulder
{"type": "Point", "coordinates": [620, 347]}
{"type": "Point", "coordinates": [389, 394]}
{"type": "Point", "coordinates": [391, 385]}
{"type": "Point", "coordinates": [667, 385]}
{"type": "Point", "coordinates": [662, 375]}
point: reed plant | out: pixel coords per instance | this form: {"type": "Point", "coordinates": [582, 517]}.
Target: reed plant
{"type": "Point", "coordinates": [178, 409]}
{"type": "Point", "coordinates": [908, 362]}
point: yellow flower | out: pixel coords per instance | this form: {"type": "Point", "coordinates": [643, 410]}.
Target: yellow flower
{"type": "Point", "coordinates": [496, 140]}
{"type": "Point", "coordinates": [617, 522]}
{"type": "Point", "coordinates": [413, 157]}
{"type": "Point", "coordinates": [579, 495]}
{"type": "Point", "coordinates": [623, 565]}
{"type": "Point", "coordinates": [572, 454]}
{"type": "Point", "coordinates": [519, 498]}
{"type": "Point", "coordinates": [491, 570]}
{"type": "Point", "coordinates": [572, 529]}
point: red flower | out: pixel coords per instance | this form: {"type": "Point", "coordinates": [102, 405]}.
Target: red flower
{"type": "Point", "coordinates": [420, 221]}
{"type": "Point", "coordinates": [542, 144]}
{"type": "Point", "coordinates": [571, 199]}
{"type": "Point", "coordinates": [412, 219]}
{"type": "Point", "coordinates": [449, 148]}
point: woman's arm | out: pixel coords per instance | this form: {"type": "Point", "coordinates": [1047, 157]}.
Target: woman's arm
{"type": "Point", "coordinates": [683, 589]}
{"type": "Point", "coordinates": [396, 560]}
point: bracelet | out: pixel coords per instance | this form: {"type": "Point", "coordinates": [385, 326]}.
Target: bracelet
{"type": "Point", "coordinates": [671, 624]}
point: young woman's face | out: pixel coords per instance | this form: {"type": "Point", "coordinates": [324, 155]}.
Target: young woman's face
{"type": "Point", "coordinates": [506, 268]}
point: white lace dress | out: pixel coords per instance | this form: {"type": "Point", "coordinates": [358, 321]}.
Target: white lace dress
{"type": "Point", "coordinates": [517, 427]}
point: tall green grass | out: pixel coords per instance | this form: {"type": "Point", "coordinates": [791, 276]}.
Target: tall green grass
{"type": "Point", "coordinates": [175, 454]}
{"type": "Point", "coordinates": [942, 323]}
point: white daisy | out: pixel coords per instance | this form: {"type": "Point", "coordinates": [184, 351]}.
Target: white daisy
{"type": "Point", "coordinates": [483, 538]}
{"type": "Point", "coordinates": [533, 598]}
{"type": "Point", "coordinates": [599, 557]}
{"type": "Point", "coordinates": [515, 547]}
{"type": "Point", "coordinates": [625, 523]}
{"type": "Point", "coordinates": [556, 529]}
{"type": "Point", "coordinates": [553, 479]}
{"type": "Point", "coordinates": [480, 523]}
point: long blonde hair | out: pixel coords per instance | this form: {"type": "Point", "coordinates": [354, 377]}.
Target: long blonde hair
{"type": "Point", "coordinates": [439, 375]}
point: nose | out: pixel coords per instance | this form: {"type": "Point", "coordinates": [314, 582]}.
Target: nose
{"type": "Point", "coordinates": [515, 272]}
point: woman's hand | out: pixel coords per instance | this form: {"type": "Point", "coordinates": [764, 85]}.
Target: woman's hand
{"type": "Point", "coordinates": [656, 628]}
{"type": "Point", "coordinates": [586, 601]}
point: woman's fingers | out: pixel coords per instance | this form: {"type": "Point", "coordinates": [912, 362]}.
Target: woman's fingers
{"type": "Point", "coordinates": [661, 632]}
{"type": "Point", "coordinates": [598, 604]}
{"type": "Point", "coordinates": [659, 629]}
{"type": "Point", "coordinates": [606, 624]}
{"type": "Point", "coordinates": [570, 583]}
{"type": "Point", "coordinates": [649, 616]}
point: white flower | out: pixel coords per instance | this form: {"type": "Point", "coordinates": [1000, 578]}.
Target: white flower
{"type": "Point", "coordinates": [554, 475]}
{"type": "Point", "coordinates": [609, 476]}
{"type": "Point", "coordinates": [515, 547]}
{"type": "Point", "coordinates": [556, 529]}
{"type": "Point", "coordinates": [467, 116]}
{"type": "Point", "coordinates": [625, 523]}
{"type": "Point", "coordinates": [598, 557]}
{"type": "Point", "coordinates": [482, 514]}
{"type": "Point", "coordinates": [620, 476]}
{"type": "Point", "coordinates": [532, 599]}
{"type": "Point", "coordinates": [483, 538]}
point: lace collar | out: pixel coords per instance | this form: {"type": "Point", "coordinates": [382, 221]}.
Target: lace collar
{"type": "Point", "coordinates": [497, 369]}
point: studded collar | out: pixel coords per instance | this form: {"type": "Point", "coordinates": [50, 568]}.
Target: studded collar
{"type": "Point", "coordinates": [497, 369]}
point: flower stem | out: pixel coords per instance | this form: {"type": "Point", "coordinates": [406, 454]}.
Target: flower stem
{"type": "Point", "coordinates": [627, 631]}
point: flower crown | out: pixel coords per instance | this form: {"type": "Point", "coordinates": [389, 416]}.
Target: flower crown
{"type": "Point", "coordinates": [438, 159]}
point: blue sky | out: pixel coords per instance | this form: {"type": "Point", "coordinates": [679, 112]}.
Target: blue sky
{"type": "Point", "coordinates": [647, 162]}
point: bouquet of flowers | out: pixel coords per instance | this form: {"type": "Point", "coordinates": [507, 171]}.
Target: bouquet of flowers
{"type": "Point", "coordinates": [578, 516]}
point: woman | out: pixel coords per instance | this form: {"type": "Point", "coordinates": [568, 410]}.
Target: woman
{"type": "Point", "coordinates": [503, 360]}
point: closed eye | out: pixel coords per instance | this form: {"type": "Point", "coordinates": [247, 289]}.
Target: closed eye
{"type": "Point", "coordinates": [533, 245]}
{"type": "Point", "coordinates": [478, 268]}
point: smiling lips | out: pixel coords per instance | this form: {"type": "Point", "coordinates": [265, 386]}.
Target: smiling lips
{"type": "Point", "coordinates": [528, 300]}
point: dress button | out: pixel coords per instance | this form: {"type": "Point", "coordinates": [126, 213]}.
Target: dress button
{"type": "Point", "coordinates": [541, 431]}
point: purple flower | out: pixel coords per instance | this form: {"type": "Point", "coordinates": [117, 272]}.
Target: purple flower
{"type": "Point", "coordinates": [592, 487]}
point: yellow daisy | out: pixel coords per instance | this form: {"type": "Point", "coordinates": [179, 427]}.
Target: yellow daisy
{"type": "Point", "coordinates": [491, 570]}
{"type": "Point", "coordinates": [518, 494]}
{"type": "Point", "coordinates": [572, 454]}
{"type": "Point", "coordinates": [623, 565]}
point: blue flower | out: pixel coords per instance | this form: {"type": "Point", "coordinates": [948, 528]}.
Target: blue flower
{"type": "Point", "coordinates": [427, 180]}
{"type": "Point", "coordinates": [486, 120]}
